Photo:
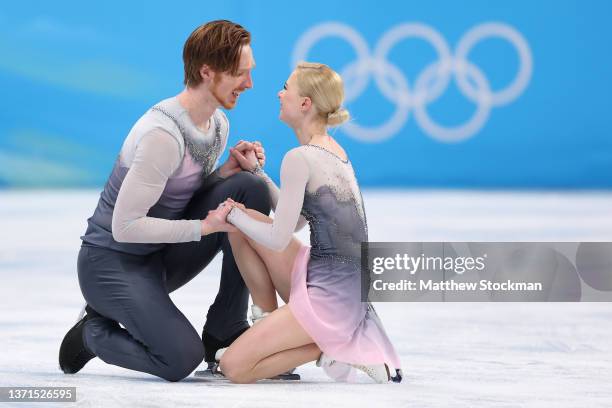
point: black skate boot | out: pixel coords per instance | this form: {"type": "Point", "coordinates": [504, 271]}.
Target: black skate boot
{"type": "Point", "coordinates": [212, 344]}
{"type": "Point", "coordinates": [73, 355]}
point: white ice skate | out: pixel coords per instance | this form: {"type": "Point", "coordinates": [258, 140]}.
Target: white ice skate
{"type": "Point", "coordinates": [257, 314]}
{"type": "Point", "coordinates": [325, 361]}
{"type": "Point", "coordinates": [219, 354]}
{"type": "Point", "coordinates": [380, 373]}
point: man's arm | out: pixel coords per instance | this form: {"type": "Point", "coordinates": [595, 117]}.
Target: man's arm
{"type": "Point", "coordinates": [157, 156]}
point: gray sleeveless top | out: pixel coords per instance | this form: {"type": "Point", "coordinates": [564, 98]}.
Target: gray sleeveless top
{"type": "Point", "coordinates": [164, 160]}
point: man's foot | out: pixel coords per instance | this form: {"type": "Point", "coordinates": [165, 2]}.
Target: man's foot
{"type": "Point", "coordinates": [73, 354]}
{"type": "Point", "coordinates": [212, 344]}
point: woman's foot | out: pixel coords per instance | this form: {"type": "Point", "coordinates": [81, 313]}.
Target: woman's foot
{"type": "Point", "coordinates": [257, 314]}
{"type": "Point", "coordinates": [380, 373]}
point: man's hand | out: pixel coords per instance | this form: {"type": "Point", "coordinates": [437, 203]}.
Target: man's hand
{"type": "Point", "coordinates": [230, 167]}
{"type": "Point", "coordinates": [216, 220]}
{"type": "Point", "coordinates": [249, 155]}
{"type": "Point", "coordinates": [243, 156]}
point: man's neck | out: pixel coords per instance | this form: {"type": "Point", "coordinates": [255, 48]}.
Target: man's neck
{"type": "Point", "coordinates": [200, 104]}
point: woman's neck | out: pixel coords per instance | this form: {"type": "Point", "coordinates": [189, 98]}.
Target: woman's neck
{"type": "Point", "coordinates": [311, 132]}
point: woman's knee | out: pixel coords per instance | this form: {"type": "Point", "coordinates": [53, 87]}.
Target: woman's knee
{"type": "Point", "coordinates": [236, 238]}
{"type": "Point", "coordinates": [234, 368]}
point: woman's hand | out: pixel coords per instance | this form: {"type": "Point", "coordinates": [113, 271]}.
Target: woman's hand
{"type": "Point", "coordinates": [243, 156]}
{"type": "Point", "coordinates": [246, 154]}
{"type": "Point", "coordinates": [260, 153]}
{"type": "Point", "coordinates": [233, 203]}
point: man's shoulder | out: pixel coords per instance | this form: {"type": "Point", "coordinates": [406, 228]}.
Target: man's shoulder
{"type": "Point", "coordinates": [161, 115]}
{"type": "Point", "coordinates": [157, 118]}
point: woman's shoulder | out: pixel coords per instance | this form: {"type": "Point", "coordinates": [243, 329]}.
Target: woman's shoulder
{"type": "Point", "coordinates": [296, 152]}
{"type": "Point", "coordinates": [333, 153]}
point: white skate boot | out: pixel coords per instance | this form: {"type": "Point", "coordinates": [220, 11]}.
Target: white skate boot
{"type": "Point", "coordinates": [325, 361]}
{"type": "Point", "coordinates": [257, 314]}
{"type": "Point", "coordinates": [219, 354]}
{"type": "Point", "coordinates": [380, 373]}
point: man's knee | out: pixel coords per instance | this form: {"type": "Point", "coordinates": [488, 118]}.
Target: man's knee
{"type": "Point", "coordinates": [250, 190]}
{"type": "Point", "coordinates": [183, 360]}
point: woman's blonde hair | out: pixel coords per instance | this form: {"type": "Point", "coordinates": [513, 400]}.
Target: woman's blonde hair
{"type": "Point", "coordinates": [325, 89]}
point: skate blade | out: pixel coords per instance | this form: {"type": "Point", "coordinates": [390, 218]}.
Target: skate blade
{"type": "Point", "coordinates": [218, 376]}
{"type": "Point", "coordinates": [210, 375]}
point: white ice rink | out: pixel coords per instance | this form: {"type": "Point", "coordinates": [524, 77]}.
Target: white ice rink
{"type": "Point", "coordinates": [453, 354]}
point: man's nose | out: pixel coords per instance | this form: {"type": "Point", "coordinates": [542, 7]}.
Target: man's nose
{"type": "Point", "coordinates": [248, 83]}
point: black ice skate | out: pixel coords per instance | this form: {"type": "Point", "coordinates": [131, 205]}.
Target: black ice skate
{"type": "Point", "coordinates": [73, 355]}
{"type": "Point", "coordinates": [212, 344]}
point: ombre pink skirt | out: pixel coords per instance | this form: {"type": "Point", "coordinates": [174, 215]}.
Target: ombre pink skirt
{"type": "Point", "coordinates": [326, 300]}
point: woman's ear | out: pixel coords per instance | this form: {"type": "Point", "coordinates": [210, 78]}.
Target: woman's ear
{"type": "Point", "coordinates": [306, 104]}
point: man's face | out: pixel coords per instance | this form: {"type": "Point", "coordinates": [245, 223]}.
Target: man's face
{"type": "Point", "coordinates": [226, 88]}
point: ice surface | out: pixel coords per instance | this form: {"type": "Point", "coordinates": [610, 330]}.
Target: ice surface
{"type": "Point", "coordinates": [453, 354]}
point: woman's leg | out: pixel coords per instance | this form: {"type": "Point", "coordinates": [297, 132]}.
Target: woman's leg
{"type": "Point", "coordinates": [269, 348]}
{"type": "Point", "coordinates": [263, 269]}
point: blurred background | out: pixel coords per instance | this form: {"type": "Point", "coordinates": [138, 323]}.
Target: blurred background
{"type": "Point", "coordinates": [475, 94]}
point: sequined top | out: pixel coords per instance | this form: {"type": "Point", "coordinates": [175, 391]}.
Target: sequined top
{"type": "Point", "coordinates": [164, 159]}
{"type": "Point", "coordinates": [320, 187]}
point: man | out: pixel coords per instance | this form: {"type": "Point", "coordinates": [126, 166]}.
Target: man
{"type": "Point", "coordinates": [150, 233]}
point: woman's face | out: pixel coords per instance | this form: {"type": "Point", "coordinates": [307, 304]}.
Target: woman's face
{"type": "Point", "coordinates": [290, 102]}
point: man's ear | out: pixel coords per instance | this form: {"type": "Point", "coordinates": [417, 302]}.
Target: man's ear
{"type": "Point", "coordinates": [206, 73]}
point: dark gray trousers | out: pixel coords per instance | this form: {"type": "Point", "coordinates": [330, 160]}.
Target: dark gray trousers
{"type": "Point", "coordinates": [133, 290]}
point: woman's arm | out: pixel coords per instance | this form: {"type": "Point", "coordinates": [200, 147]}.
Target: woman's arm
{"type": "Point", "coordinates": [290, 198]}
{"type": "Point", "coordinates": [273, 190]}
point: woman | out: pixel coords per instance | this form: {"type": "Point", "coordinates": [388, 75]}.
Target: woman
{"type": "Point", "coordinates": [321, 284]}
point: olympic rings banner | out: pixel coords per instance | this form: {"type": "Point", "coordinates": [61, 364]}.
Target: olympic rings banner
{"type": "Point", "coordinates": [431, 82]}
{"type": "Point", "coordinates": [442, 94]}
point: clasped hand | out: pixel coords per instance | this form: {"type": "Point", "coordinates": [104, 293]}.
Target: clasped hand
{"type": "Point", "coordinates": [243, 156]}
{"type": "Point", "coordinates": [216, 220]}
